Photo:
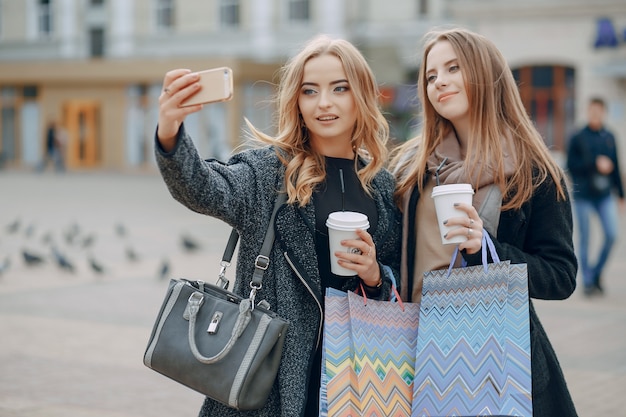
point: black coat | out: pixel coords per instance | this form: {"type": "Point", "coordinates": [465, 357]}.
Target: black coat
{"type": "Point", "coordinates": [582, 151]}
{"type": "Point", "coordinates": [539, 235]}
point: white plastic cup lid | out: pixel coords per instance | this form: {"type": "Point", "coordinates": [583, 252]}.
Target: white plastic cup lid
{"type": "Point", "coordinates": [347, 220]}
{"type": "Point", "coordinates": [452, 189]}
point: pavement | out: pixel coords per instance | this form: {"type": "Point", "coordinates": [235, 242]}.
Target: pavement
{"type": "Point", "coordinates": [73, 342]}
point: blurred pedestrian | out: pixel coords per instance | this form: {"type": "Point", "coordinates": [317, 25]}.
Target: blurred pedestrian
{"type": "Point", "coordinates": [330, 132]}
{"type": "Point", "coordinates": [53, 151]}
{"type": "Point", "coordinates": [594, 168]}
{"type": "Point", "coordinates": [475, 130]}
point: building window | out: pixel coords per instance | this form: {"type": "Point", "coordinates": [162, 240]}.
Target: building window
{"type": "Point", "coordinates": [164, 14]}
{"type": "Point", "coordinates": [30, 91]}
{"type": "Point", "coordinates": [44, 14]}
{"type": "Point", "coordinates": [229, 13]}
{"type": "Point", "coordinates": [96, 42]}
{"type": "Point", "coordinates": [548, 96]}
{"type": "Point", "coordinates": [8, 124]}
{"type": "Point", "coordinates": [299, 10]}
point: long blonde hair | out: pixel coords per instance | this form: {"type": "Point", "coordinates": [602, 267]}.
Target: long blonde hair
{"type": "Point", "coordinates": [304, 167]}
{"type": "Point", "coordinates": [496, 112]}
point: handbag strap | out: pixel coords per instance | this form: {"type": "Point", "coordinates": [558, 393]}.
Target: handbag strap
{"type": "Point", "coordinates": [261, 262]}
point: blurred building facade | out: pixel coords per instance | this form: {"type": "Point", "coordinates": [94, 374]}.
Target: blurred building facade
{"type": "Point", "coordinates": [96, 66]}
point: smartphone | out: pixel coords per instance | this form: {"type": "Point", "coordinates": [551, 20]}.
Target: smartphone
{"type": "Point", "coordinates": [217, 85]}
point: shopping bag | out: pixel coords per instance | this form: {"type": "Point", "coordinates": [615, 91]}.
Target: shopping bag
{"type": "Point", "coordinates": [368, 357]}
{"type": "Point", "coordinates": [473, 346]}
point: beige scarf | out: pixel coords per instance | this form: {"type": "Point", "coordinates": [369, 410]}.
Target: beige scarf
{"type": "Point", "coordinates": [487, 196]}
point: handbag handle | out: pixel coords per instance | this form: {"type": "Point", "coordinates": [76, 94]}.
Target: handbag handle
{"type": "Point", "coordinates": [193, 306]}
{"type": "Point", "coordinates": [487, 245]}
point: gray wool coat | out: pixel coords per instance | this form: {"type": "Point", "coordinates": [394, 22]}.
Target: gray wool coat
{"type": "Point", "coordinates": [242, 193]}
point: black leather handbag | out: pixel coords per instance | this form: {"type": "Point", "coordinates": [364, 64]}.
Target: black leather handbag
{"type": "Point", "coordinates": [222, 345]}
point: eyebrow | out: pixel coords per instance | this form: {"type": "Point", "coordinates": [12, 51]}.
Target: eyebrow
{"type": "Point", "coordinates": [450, 61]}
{"type": "Point", "coordinates": [331, 83]}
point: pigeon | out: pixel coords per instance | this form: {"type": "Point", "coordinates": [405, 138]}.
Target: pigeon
{"type": "Point", "coordinates": [29, 231]}
{"type": "Point", "coordinates": [120, 230]}
{"type": "Point", "coordinates": [31, 258]}
{"type": "Point", "coordinates": [164, 270]}
{"type": "Point", "coordinates": [189, 244]}
{"type": "Point", "coordinates": [88, 240]}
{"type": "Point", "coordinates": [47, 238]}
{"type": "Point", "coordinates": [62, 261]}
{"type": "Point", "coordinates": [131, 255]}
{"type": "Point", "coordinates": [72, 233]}
{"type": "Point", "coordinates": [4, 267]}
{"type": "Point", "coordinates": [14, 226]}
{"type": "Point", "coordinates": [95, 265]}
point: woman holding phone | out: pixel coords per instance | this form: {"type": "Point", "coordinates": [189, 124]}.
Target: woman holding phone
{"type": "Point", "coordinates": [330, 131]}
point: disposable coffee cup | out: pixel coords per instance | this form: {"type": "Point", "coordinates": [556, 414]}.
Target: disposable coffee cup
{"type": "Point", "coordinates": [342, 225]}
{"type": "Point", "coordinates": [445, 197]}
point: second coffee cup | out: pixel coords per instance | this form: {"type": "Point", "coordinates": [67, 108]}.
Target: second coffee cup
{"type": "Point", "coordinates": [342, 225]}
{"type": "Point", "coordinates": [445, 197]}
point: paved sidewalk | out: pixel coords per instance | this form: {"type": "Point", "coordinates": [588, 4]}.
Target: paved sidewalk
{"type": "Point", "coordinates": [72, 343]}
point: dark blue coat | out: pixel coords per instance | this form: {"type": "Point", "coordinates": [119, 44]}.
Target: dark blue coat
{"type": "Point", "coordinates": [582, 151]}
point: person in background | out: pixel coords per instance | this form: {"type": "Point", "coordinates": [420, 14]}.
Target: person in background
{"type": "Point", "coordinates": [329, 125]}
{"type": "Point", "coordinates": [593, 165]}
{"type": "Point", "coordinates": [476, 130]}
{"type": "Point", "coordinates": [53, 148]}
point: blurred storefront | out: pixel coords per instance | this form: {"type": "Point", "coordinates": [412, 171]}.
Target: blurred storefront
{"type": "Point", "coordinates": [96, 66]}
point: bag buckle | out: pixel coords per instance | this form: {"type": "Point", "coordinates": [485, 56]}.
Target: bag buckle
{"type": "Point", "coordinates": [262, 262]}
{"type": "Point", "coordinates": [195, 301]}
{"type": "Point", "coordinates": [253, 292]}
{"type": "Point", "coordinates": [222, 281]}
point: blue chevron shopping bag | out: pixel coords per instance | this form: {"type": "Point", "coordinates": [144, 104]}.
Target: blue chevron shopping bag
{"type": "Point", "coordinates": [473, 346]}
{"type": "Point", "coordinates": [368, 356]}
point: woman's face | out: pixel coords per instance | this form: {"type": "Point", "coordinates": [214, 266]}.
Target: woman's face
{"type": "Point", "coordinates": [445, 85]}
{"type": "Point", "coordinates": [327, 106]}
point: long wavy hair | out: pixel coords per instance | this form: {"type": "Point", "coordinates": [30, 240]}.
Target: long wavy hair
{"type": "Point", "coordinates": [304, 167]}
{"type": "Point", "coordinates": [496, 112]}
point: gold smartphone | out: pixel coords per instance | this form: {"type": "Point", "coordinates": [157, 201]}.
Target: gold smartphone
{"type": "Point", "coordinates": [217, 85]}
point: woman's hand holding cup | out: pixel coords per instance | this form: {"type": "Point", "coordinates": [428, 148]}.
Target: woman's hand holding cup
{"type": "Point", "coordinates": [471, 227]}
{"type": "Point", "coordinates": [361, 259]}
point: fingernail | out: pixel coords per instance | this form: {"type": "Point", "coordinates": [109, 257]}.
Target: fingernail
{"type": "Point", "coordinates": [456, 204]}
{"type": "Point", "coordinates": [445, 222]}
{"type": "Point", "coordinates": [445, 236]}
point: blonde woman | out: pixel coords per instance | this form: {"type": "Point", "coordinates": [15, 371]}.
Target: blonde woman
{"type": "Point", "coordinates": [476, 128]}
{"type": "Point", "coordinates": [328, 155]}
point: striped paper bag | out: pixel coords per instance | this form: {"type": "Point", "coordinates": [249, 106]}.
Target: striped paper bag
{"type": "Point", "coordinates": [368, 359]}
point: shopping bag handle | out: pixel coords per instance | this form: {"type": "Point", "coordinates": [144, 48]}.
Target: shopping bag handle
{"type": "Point", "coordinates": [395, 296]}
{"type": "Point", "coordinates": [487, 245]}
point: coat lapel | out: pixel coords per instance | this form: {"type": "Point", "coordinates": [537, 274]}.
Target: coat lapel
{"type": "Point", "coordinates": [296, 234]}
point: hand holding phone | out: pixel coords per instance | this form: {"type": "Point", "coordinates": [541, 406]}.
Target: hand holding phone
{"type": "Point", "coordinates": [216, 85]}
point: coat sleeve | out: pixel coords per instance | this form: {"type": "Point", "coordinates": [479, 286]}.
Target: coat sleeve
{"type": "Point", "coordinates": [616, 175]}
{"type": "Point", "coordinates": [540, 235]}
{"type": "Point", "coordinates": [222, 190]}
{"type": "Point", "coordinates": [579, 161]}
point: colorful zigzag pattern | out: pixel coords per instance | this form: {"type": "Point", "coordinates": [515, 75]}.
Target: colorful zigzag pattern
{"type": "Point", "coordinates": [473, 348]}
{"type": "Point", "coordinates": [369, 357]}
